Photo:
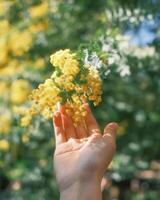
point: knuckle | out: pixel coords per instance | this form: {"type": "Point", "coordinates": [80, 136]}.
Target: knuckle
{"type": "Point", "coordinates": [96, 136]}
{"type": "Point", "coordinates": [96, 131]}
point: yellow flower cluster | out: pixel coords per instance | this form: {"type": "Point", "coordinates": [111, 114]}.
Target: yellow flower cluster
{"type": "Point", "coordinates": [5, 123]}
{"type": "Point", "coordinates": [4, 91]}
{"type": "Point", "coordinates": [16, 92]}
{"type": "Point", "coordinates": [23, 42]}
{"type": "Point", "coordinates": [71, 83]}
{"type": "Point", "coordinates": [66, 61]}
{"type": "Point", "coordinates": [4, 145]}
{"type": "Point", "coordinates": [20, 90]}
{"type": "Point", "coordinates": [16, 41]}
{"type": "Point", "coordinates": [39, 10]}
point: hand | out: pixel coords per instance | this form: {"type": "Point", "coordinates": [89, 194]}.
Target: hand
{"type": "Point", "coordinates": [82, 154]}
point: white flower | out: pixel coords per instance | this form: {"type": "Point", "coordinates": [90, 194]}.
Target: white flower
{"type": "Point", "coordinates": [111, 60]}
{"type": "Point", "coordinates": [95, 61]}
{"type": "Point", "coordinates": [92, 60]}
{"type": "Point", "coordinates": [143, 52]}
{"type": "Point", "coordinates": [106, 47]}
{"type": "Point", "coordinates": [86, 61]}
{"type": "Point", "coordinates": [114, 58]}
{"type": "Point", "coordinates": [124, 70]}
{"type": "Point", "coordinates": [107, 72]}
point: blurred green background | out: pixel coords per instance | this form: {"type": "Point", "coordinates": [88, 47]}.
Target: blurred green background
{"type": "Point", "coordinates": [30, 30]}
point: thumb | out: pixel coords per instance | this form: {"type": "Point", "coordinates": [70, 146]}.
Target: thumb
{"type": "Point", "coordinates": [111, 129]}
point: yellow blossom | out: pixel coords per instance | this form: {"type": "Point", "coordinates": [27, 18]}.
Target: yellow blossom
{"type": "Point", "coordinates": [4, 145]}
{"type": "Point", "coordinates": [5, 123]}
{"type": "Point", "coordinates": [19, 91]}
{"type": "Point", "coordinates": [39, 10]}
{"type": "Point", "coordinates": [45, 97]}
{"type": "Point", "coordinates": [25, 121]}
{"type": "Point", "coordinates": [39, 63]}
{"type": "Point", "coordinates": [122, 128]}
{"type": "Point", "coordinates": [19, 110]}
{"type": "Point", "coordinates": [4, 5]}
{"type": "Point", "coordinates": [25, 138]}
{"type": "Point", "coordinates": [95, 84]}
{"type": "Point", "coordinates": [4, 27]}
{"type": "Point", "coordinates": [38, 27]}
{"type": "Point", "coordinates": [4, 89]}
{"type": "Point", "coordinates": [3, 51]}
{"type": "Point", "coordinates": [11, 68]}
{"type": "Point", "coordinates": [19, 42]}
{"type": "Point", "coordinates": [66, 61]}
{"type": "Point", "coordinates": [71, 83]}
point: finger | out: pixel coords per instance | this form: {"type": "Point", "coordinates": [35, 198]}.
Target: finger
{"type": "Point", "coordinates": [81, 130]}
{"type": "Point", "coordinates": [58, 128]}
{"type": "Point", "coordinates": [67, 122]}
{"type": "Point", "coordinates": [110, 137]}
{"type": "Point", "coordinates": [61, 108]}
{"type": "Point", "coordinates": [111, 129]}
{"type": "Point", "coordinates": [68, 126]}
{"type": "Point", "coordinates": [91, 122]}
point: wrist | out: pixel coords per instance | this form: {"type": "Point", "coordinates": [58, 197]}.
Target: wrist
{"type": "Point", "coordinates": [84, 190]}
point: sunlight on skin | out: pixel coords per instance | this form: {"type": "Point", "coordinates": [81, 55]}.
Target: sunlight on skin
{"type": "Point", "coordinates": [82, 155]}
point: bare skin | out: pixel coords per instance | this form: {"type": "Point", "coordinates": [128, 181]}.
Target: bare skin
{"type": "Point", "coordinates": [82, 155]}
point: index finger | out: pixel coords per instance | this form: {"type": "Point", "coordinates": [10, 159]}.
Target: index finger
{"type": "Point", "coordinates": [58, 128]}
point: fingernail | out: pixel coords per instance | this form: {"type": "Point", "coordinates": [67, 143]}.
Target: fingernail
{"type": "Point", "coordinates": [58, 105]}
{"type": "Point", "coordinates": [113, 125]}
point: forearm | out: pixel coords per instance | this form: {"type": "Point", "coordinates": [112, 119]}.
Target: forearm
{"type": "Point", "coordinates": [82, 191]}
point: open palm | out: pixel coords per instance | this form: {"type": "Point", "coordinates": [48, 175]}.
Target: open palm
{"type": "Point", "coordinates": [82, 152]}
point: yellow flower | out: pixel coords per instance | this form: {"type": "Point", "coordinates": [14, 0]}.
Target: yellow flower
{"type": "Point", "coordinates": [95, 86]}
{"type": "Point", "coordinates": [38, 27]}
{"type": "Point", "coordinates": [25, 121]}
{"type": "Point", "coordinates": [25, 138]}
{"type": "Point", "coordinates": [3, 51]}
{"type": "Point", "coordinates": [39, 63]}
{"type": "Point", "coordinates": [4, 89]}
{"type": "Point", "coordinates": [5, 123]}
{"type": "Point", "coordinates": [39, 10]}
{"type": "Point", "coordinates": [12, 67]}
{"type": "Point", "coordinates": [4, 5]}
{"type": "Point", "coordinates": [122, 128]}
{"type": "Point", "coordinates": [4, 27]}
{"type": "Point", "coordinates": [20, 42]}
{"type": "Point", "coordinates": [19, 91]}
{"type": "Point", "coordinates": [19, 110]}
{"type": "Point", "coordinates": [65, 87]}
{"type": "Point", "coordinates": [66, 61]}
{"type": "Point", "coordinates": [44, 101]}
{"type": "Point", "coordinates": [4, 145]}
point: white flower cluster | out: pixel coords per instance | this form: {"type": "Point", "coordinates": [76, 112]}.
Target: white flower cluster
{"type": "Point", "coordinates": [119, 48]}
{"type": "Point", "coordinates": [128, 48]}
{"type": "Point", "coordinates": [142, 52]}
{"type": "Point", "coordinates": [92, 60]}
{"type": "Point", "coordinates": [115, 55]}
{"type": "Point", "coordinates": [117, 51]}
{"type": "Point", "coordinates": [126, 15]}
